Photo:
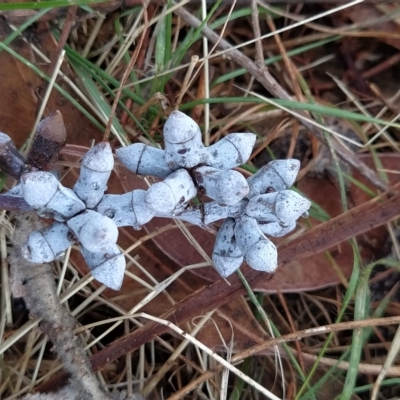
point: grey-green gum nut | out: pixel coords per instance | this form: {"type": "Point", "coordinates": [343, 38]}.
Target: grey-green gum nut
{"type": "Point", "coordinates": [47, 244]}
{"type": "Point", "coordinates": [262, 207]}
{"type": "Point", "coordinates": [259, 252]}
{"type": "Point", "coordinates": [226, 187]}
{"type": "Point", "coordinates": [43, 192]}
{"type": "Point", "coordinates": [97, 165]}
{"type": "Point", "coordinates": [275, 229]}
{"type": "Point", "coordinates": [144, 160]}
{"type": "Point", "coordinates": [107, 267]}
{"type": "Point", "coordinates": [226, 256]}
{"type": "Point", "coordinates": [231, 151]}
{"type": "Point", "coordinates": [94, 231]}
{"type": "Point", "coordinates": [183, 144]}
{"type": "Point", "coordinates": [275, 176]}
{"type": "Point", "coordinates": [128, 209]}
{"type": "Point", "coordinates": [177, 189]}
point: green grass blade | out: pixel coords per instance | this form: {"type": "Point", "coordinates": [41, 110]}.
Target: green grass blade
{"type": "Point", "coordinates": [35, 5]}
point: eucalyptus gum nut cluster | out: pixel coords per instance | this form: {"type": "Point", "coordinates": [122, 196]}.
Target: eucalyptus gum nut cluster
{"type": "Point", "coordinates": [42, 191]}
{"type": "Point", "coordinates": [96, 168]}
{"type": "Point", "coordinates": [144, 160]}
{"type": "Point", "coordinates": [226, 187]}
{"type": "Point", "coordinates": [275, 176]}
{"type": "Point", "coordinates": [231, 151]}
{"type": "Point", "coordinates": [284, 207]}
{"type": "Point", "coordinates": [183, 145]}
{"type": "Point", "coordinates": [170, 194]}
{"type": "Point", "coordinates": [94, 231]}
{"type": "Point", "coordinates": [226, 256]}
{"type": "Point", "coordinates": [128, 209]}
{"type": "Point", "coordinates": [47, 244]}
{"type": "Point", "coordinates": [108, 266]}
{"type": "Point", "coordinates": [259, 252]}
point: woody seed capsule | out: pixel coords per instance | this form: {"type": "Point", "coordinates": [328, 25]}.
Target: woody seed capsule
{"type": "Point", "coordinates": [95, 170]}
{"type": "Point", "coordinates": [183, 145]}
{"type": "Point", "coordinates": [226, 256]}
{"type": "Point", "coordinates": [275, 176]}
{"type": "Point", "coordinates": [128, 209]}
{"type": "Point", "coordinates": [107, 267]}
{"type": "Point", "coordinates": [275, 229]}
{"type": "Point", "coordinates": [94, 231]}
{"type": "Point", "coordinates": [47, 244]}
{"type": "Point", "coordinates": [284, 207]}
{"type": "Point", "coordinates": [259, 252]}
{"type": "Point", "coordinates": [43, 192]}
{"type": "Point", "coordinates": [11, 160]}
{"type": "Point", "coordinates": [144, 160]}
{"type": "Point", "coordinates": [231, 151]}
{"type": "Point", "coordinates": [172, 193]}
{"type": "Point", "coordinates": [226, 187]}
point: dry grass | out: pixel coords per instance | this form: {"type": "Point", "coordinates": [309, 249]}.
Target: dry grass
{"type": "Point", "coordinates": [330, 78]}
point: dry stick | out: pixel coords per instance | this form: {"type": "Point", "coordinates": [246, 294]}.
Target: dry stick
{"type": "Point", "coordinates": [126, 74]}
{"type": "Point", "coordinates": [41, 299]}
{"type": "Point", "coordinates": [266, 79]}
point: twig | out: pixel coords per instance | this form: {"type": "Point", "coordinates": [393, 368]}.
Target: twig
{"type": "Point", "coordinates": [267, 80]}
{"type": "Point", "coordinates": [41, 298]}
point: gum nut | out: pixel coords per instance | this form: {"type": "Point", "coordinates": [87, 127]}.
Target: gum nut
{"type": "Point", "coordinates": [226, 256]}
{"type": "Point", "coordinates": [176, 190]}
{"type": "Point", "coordinates": [179, 128]}
{"type": "Point", "coordinates": [58, 238]}
{"type": "Point", "coordinates": [107, 267]}
{"type": "Point", "coordinates": [275, 229]}
{"type": "Point", "coordinates": [144, 160]}
{"type": "Point", "coordinates": [262, 256]}
{"type": "Point", "coordinates": [94, 231]}
{"type": "Point", "coordinates": [263, 207]}
{"type": "Point", "coordinates": [183, 144]}
{"type": "Point", "coordinates": [38, 188]}
{"type": "Point", "coordinates": [275, 176]}
{"type": "Point", "coordinates": [64, 204]}
{"type": "Point", "coordinates": [143, 213]}
{"type": "Point", "coordinates": [258, 251]}
{"type": "Point", "coordinates": [95, 171]}
{"type": "Point", "coordinates": [290, 206]}
{"type": "Point", "coordinates": [99, 158]}
{"type": "Point", "coordinates": [231, 151]}
{"type": "Point", "coordinates": [36, 249]}
{"type": "Point", "coordinates": [226, 187]}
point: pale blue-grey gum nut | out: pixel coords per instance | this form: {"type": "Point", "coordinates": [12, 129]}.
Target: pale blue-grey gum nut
{"type": "Point", "coordinates": [144, 160]}
{"type": "Point", "coordinates": [94, 231]}
{"type": "Point", "coordinates": [226, 256]}
{"type": "Point", "coordinates": [183, 145]}
{"type": "Point", "coordinates": [258, 251]}
{"type": "Point", "coordinates": [231, 151]}
{"type": "Point", "coordinates": [96, 168]}
{"type": "Point", "coordinates": [107, 267]}
{"type": "Point", "coordinates": [275, 176]}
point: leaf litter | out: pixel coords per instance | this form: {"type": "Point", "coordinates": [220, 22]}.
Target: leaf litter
{"type": "Point", "coordinates": [149, 266]}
